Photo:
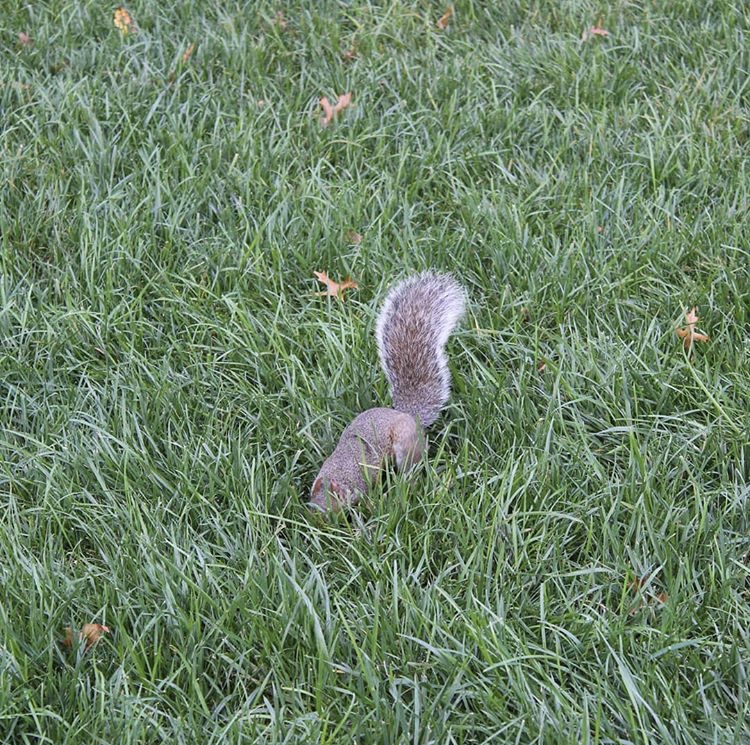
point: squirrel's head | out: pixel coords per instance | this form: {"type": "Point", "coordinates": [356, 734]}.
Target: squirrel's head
{"type": "Point", "coordinates": [327, 494]}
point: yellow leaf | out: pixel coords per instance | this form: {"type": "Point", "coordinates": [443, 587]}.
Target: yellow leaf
{"type": "Point", "coordinates": [124, 22]}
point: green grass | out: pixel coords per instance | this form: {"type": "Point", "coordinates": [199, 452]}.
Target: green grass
{"type": "Point", "coordinates": [169, 382]}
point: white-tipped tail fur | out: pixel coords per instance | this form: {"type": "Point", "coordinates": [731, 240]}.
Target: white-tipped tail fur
{"type": "Point", "coordinates": [417, 317]}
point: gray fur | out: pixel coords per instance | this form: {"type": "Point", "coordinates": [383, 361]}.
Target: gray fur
{"type": "Point", "coordinates": [417, 317]}
{"type": "Point", "coordinates": [355, 464]}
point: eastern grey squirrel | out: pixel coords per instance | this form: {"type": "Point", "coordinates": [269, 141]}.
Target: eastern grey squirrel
{"type": "Point", "coordinates": [414, 324]}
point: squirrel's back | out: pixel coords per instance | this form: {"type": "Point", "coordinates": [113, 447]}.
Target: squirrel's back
{"type": "Point", "coordinates": [417, 317]}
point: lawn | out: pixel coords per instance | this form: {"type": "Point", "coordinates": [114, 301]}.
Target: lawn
{"type": "Point", "coordinates": [571, 564]}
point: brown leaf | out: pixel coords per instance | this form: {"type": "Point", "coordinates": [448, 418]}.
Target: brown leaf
{"type": "Point", "coordinates": [89, 635]}
{"type": "Point", "coordinates": [636, 585]}
{"type": "Point", "coordinates": [691, 317]}
{"type": "Point", "coordinates": [330, 111]}
{"type": "Point", "coordinates": [353, 237]}
{"type": "Point", "coordinates": [687, 333]}
{"type": "Point", "coordinates": [92, 632]}
{"type": "Point", "coordinates": [349, 55]}
{"type": "Point", "coordinates": [280, 20]}
{"type": "Point", "coordinates": [327, 111]}
{"type": "Point", "coordinates": [124, 22]}
{"type": "Point", "coordinates": [188, 53]}
{"type": "Point", "coordinates": [58, 67]}
{"type": "Point", "coordinates": [594, 31]}
{"type": "Point", "coordinates": [442, 22]}
{"type": "Point", "coordinates": [334, 289]}
{"type": "Point", "coordinates": [24, 39]}
{"type": "Point", "coordinates": [541, 366]}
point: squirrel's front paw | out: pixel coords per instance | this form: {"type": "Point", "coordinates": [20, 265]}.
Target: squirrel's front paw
{"type": "Point", "coordinates": [330, 496]}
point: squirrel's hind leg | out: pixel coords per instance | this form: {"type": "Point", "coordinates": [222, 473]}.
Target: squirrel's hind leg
{"type": "Point", "coordinates": [408, 444]}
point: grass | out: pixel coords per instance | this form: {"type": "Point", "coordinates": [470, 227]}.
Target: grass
{"type": "Point", "coordinates": [169, 383]}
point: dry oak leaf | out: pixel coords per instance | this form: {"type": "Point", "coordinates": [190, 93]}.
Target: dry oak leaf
{"type": "Point", "coordinates": [349, 55]}
{"type": "Point", "coordinates": [636, 585]}
{"type": "Point", "coordinates": [89, 635]}
{"type": "Point", "coordinates": [188, 53]}
{"type": "Point", "coordinates": [594, 31]}
{"type": "Point", "coordinates": [688, 334]}
{"type": "Point", "coordinates": [334, 289]}
{"type": "Point", "coordinates": [24, 39]}
{"type": "Point", "coordinates": [329, 111]}
{"type": "Point", "coordinates": [353, 237]}
{"type": "Point", "coordinates": [124, 22]}
{"type": "Point", "coordinates": [280, 20]}
{"type": "Point", "coordinates": [442, 22]}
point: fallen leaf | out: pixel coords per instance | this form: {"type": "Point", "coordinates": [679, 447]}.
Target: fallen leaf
{"type": "Point", "coordinates": [58, 67]}
{"type": "Point", "coordinates": [636, 585]}
{"type": "Point", "coordinates": [92, 632]}
{"type": "Point", "coordinates": [442, 22]}
{"type": "Point", "coordinates": [330, 111]}
{"type": "Point", "coordinates": [89, 635]}
{"type": "Point", "coordinates": [124, 22]}
{"type": "Point", "coordinates": [188, 53]}
{"type": "Point", "coordinates": [594, 31]}
{"type": "Point", "coordinates": [687, 333]}
{"type": "Point", "coordinates": [327, 111]}
{"type": "Point", "coordinates": [280, 20]}
{"type": "Point", "coordinates": [349, 55]}
{"type": "Point", "coordinates": [353, 237]}
{"type": "Point", "coordinates": [334, 289]}
{"type": "Point", "coordinates": [24, 39]}
{"type": "Point", "coordinates": [541, 365]}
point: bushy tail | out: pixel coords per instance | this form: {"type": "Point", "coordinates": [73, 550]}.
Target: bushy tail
{"type": "Point", "coordinates": [417, 318]}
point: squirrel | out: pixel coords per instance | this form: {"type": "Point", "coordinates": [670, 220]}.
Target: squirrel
{"type": "Point", "coordinates": [417, 317]}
